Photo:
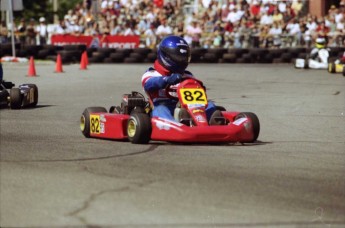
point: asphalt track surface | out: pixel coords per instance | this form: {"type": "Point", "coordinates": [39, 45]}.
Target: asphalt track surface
{"type": "Point", "coordinates": [292, 177]}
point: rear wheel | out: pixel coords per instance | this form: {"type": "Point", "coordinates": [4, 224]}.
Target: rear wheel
{"type": "Point", "coordinates": [15, 98]}
{"type": "Point", "coordinates": [85, 119]}
{"type": "Point", "coordinates": [344, 70]}
{"type": "Point", "coordinates": [255, 123]}
{"type": "Point", "coordinates": [139, 128]}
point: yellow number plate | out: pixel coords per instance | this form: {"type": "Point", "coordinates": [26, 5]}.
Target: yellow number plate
{"type": "Point", "coordinates": [193, 96]}
{"type": "Point", "coordinates": [95, 124]}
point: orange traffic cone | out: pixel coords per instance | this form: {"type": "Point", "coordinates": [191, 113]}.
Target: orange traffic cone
{"type": "Point", "coordinates": [32, 70]}
{"type": "Point", "coordinates": [83, 63]}
{"type": "Point", "coordinates": [58, 66]}
{"type": "Point", "coordinates": [86, 58]}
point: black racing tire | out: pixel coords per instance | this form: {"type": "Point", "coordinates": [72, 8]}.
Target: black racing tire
{"type": "Point", "coordinates": [344, 70]}
{"type": "Point", "coordinates": [142, 51]}
{"type": "Point", "coordinates": [130, 60]}
{"type": "Point", "coordinates": [210, 58]}
{"type": "Point", "coordinates": [331, 67]}
{"type": "Point", "coordinates": [85, 119]}
{"type": "Point", "coordinates": [34, 87]}
{"type": "Point", "coordinates": [306, 63]}
{"type": "Point", "coordinates": [139, 128]}
{"type": "Point", "coordinates": [15, 98]}
{"type": "Point", "coordinates": [255, 124]}
{"type": "Point", "coordinates": [220, 108]}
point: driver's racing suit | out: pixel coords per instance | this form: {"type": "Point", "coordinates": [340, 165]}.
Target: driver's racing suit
{"type": "Point", "coordinates": [164, 106]}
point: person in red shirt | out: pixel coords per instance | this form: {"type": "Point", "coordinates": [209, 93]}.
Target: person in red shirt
{"type": "Point", "coordinates": [255, 8]}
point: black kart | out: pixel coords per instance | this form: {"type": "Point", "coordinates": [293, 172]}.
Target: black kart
{"type": "Point", "coordinates": [25, 96]}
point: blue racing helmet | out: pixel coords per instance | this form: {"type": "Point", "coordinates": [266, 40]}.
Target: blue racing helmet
{"type": "Point", "coordinates": [174, 54]}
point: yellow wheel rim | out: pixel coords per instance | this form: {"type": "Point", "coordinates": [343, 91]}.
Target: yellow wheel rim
{"type": "Point", "coordinates": [131, 128]}
{"type": "Point", "coordinates": [82, 123]}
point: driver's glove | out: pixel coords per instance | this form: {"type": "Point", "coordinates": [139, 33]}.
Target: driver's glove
{"type": "Point", "coordinates": [173, 79]}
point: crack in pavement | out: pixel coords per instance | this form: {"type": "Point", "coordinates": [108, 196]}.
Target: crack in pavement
{"type": "Point", "coordinates": [150, 149]}
{"type": "Point", "coordinates": [87, 203]}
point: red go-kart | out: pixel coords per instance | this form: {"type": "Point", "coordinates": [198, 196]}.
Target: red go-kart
{"type": "Point", "coordinates": [132, 120]}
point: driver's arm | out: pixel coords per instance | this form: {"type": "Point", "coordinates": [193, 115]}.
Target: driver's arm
{"type": "Point", "coordinates": [152, 84]}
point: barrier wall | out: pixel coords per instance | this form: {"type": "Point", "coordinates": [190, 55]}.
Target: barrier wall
{"type": "Point", "coordinates": [72, 54]}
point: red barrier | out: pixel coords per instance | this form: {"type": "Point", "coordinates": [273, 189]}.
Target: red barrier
{"type": "Point", "coordinates": [102, 41]}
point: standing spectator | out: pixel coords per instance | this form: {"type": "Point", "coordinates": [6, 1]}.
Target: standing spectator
{"type": "Point", "coordinates": [117, 28]}
{"type": "Point", "coordinates": [31, 33]}
{"type": "Point", "coordinates": [163, 30]}
{"type": "Point", "coordinates": [21, 31]}
{"type": "Point", "coordinates": [130, 30]}
{"type": "Point", "coordinates": [233, 16]}
{"type": "Point", "coordinates": [255, 8]}
{"type": "Point", "coordinates": [61, 28]}
{"type": "Point", "coordinates": [322, 30]}
{"type": "Point", "coordinates": [150, 37]}
{"type": "Point", "coordinates": [275, 33]}
{"type": "Point", "coordinates": [294, 32]}
{"type": "Point", "coordinates": [194, 32]}
{"type": "Point", "coordinates": [42, 32]}
{"type": "Point", "coordinates": [3, 33]}
{"type": "Point", "coordinates": [266, 19]}
{"type": "Point", "coordinates": [277, 16]}
{"type": "Point", "coordinates": [179, 29]}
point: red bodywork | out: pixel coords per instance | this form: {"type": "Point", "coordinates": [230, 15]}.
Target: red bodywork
{"type": "Point", "coordinates": [114, 126]}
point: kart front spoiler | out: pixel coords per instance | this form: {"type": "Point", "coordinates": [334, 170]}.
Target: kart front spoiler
{"type": "Point", "coordinates": [114, 126]}
{"type": "Point", "coordinates": [238, 131]}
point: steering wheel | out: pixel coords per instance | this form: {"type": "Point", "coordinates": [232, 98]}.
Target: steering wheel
{"type": "Point", "coordinates": [171, 90]}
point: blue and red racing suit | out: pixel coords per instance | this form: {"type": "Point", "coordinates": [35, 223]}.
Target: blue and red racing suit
{"type": "Point", "coordinates": [154, 85]}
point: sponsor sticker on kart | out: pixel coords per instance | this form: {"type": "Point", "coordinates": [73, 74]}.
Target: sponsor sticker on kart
{"type": "Point", "coordinates": [193, 96]}
{"type": "Point", "coordinates": [32, 95]}
{"type": "Point", "coordinates": [239, 121]}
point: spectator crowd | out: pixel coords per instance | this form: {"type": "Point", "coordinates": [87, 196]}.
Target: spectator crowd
{"type": "Point", "coordinates": [208, 24]}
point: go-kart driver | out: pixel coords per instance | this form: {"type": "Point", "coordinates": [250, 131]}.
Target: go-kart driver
{"type": "Point", "coordinates": [320, 44]}
{"type": "Point", "coordinates": [173, 57]}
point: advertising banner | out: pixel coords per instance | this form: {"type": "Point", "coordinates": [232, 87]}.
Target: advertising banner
{"type": "Point", "coordinates": [97, 41]}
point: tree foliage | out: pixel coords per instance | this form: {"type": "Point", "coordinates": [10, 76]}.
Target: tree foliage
{"type": "Point", "coordinates": [44, 8]}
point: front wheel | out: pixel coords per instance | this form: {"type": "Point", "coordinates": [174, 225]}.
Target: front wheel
{"type": "Point", "coordinates": [139, 128]}
{"type": "Point", "coordinates": [15, 98]}
{"type": "Point", "coordinates": [254, 121]}
{"type": "Point", "coordinates": [85, 119]}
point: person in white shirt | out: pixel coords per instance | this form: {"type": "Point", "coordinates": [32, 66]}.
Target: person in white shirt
{"type": "Point", "coordinates": [294, 31]}
{"type": "Point", "coordinates": [42, 32]}
{"type": "Point", "coordinates": [275, 32]}
{"type": "Point", "coordinates": [233, 17]}
{"type": "Point", "coordinates": [194, 32]}
{"type": "Point", "coordinates": [266, 19]}
{"type": "Point", "coordinates": [163, 29]}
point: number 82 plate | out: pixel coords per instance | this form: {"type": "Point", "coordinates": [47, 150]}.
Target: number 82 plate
{"type": "Point", "coordinates": [193, 96]}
